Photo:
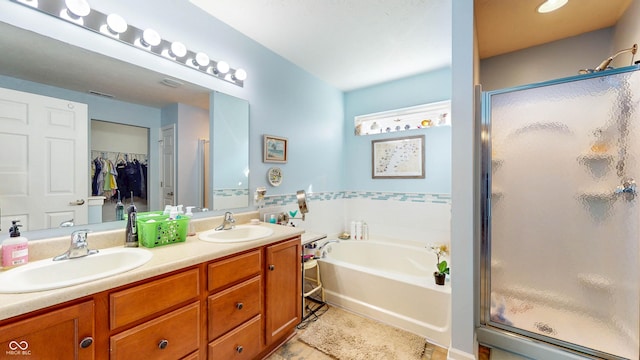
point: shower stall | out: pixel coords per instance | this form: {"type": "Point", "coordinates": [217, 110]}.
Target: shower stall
{"type": "Point", "coordinates": [560, 254]}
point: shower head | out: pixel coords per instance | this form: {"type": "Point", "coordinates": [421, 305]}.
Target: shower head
{"type": "Point", "coordinates": [605, 64]}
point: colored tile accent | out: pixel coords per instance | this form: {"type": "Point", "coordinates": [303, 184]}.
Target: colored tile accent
{"type": "Point", "coordinates": [288, 199]}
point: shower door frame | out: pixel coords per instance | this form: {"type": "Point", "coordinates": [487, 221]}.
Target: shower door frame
{"type": "Point", "coordinates": [492, 334]}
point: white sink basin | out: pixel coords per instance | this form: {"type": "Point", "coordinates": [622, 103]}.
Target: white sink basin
{"type": "Point", "coordinates": [238, 234]}
{"type": "Point", "coordinates": [48, 274]}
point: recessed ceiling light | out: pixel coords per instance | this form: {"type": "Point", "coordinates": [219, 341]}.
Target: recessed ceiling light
{"type": "Point", "coordinates": [551, 5]}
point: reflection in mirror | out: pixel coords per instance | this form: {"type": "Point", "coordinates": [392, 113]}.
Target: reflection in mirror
{"type": "Point", "coordinates": [119, 168]}
{"type": "Point", "coordinates": [129, 95]}
{"type": "Point", "coordinates": [231, 153]}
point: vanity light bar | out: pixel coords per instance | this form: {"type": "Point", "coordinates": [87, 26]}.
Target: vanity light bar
{"type": "Point", "coordinates": [114, 26]}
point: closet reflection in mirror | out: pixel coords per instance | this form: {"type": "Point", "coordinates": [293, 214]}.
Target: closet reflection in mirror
{"type": "Point", "coordinates": [119, 168]}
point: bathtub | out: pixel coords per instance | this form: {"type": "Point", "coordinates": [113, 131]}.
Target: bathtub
{"type": "Point", "coordinates": [388, 282]}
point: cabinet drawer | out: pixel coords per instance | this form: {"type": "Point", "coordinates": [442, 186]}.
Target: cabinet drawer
{"type": "Point", "coordinates": [170, 336]}
{"type": "Point", "coordinates": [233, 306]}
{"type": "Point", "coordinates": [241, 343]}
{"type": "Point", "coordinates": [232, 270]}
{"type": "Point", "coordinates": [133, 304]}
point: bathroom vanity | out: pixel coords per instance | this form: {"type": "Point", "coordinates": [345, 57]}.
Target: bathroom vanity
{"type": "Point", "coordinates": [193, 300]}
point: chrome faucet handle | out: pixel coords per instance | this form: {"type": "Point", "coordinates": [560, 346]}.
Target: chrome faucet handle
{"type": "Point", "coordinates": [228, 216]}
{"type": "Point", "coordinates": [79, 238]}
{"type": "Point", "coordinates": [79, 246]}
{"type": "Point", "coordinates": [228, 222]}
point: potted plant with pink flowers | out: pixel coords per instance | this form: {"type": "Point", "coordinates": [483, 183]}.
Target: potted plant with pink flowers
{"type": "Point", "coordinates": [442, 266]}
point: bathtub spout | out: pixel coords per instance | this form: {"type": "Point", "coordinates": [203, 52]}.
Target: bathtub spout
{"type": "Point", "coordinates": [322, 251]}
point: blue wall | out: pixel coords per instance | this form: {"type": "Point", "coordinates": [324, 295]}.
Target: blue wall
{"type": "Point", "coordinates": [285, 100]}
{"type": "Point", "coordinates": [416, 90]}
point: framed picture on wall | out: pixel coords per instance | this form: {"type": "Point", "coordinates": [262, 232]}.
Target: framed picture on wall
{"type": "Point", "coordinates": [275, 149]}
{"type": "Point", "coordinates": [399, 158]}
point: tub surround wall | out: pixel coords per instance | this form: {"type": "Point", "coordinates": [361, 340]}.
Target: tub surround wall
{"type": "Point", "coordinates": [419, 218]}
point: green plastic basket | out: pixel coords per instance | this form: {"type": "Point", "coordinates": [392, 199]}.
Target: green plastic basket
{"type": "Point", "coordinates": [155, 229]}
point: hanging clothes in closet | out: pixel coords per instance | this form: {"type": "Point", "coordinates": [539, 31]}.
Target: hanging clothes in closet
{"type": "Point", "coordinates": [131, 177]}
{"type": "Point", "coordinates": [103, 178]}
{"type": "Point", "coordinates": [113, 172]}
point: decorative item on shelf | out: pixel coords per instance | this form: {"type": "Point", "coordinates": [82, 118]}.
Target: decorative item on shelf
{"type": "Point", "coordinates": [275, 149]}
{"type": "Point", "coordinates": [261, 191]}
{"type": "Point", "coordinates": [442, 266]}
{"type": "Point", "coordinates": [274, 176]}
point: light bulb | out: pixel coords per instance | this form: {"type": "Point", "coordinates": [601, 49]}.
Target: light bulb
{"type": "Point", "coordinates": [150, 37]}
{"type": "Point", "coordinates": [77, 8]}
{"type": "Point", "coordinates": [116, 24]}
{"type": "Point", "coordinates": [177, 49]}
{"type": "Point", "coordinates": [201, 59]}
{"type": "Point", "coordinates": [551, 5]}
{"type": "Point", "coordinates": [222, 67]}
{"type": "Point", "coordinates": [240, 75]}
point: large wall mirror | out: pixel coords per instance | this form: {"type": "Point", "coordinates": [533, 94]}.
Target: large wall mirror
{"type": "Point", "coordinates": [124, 94]}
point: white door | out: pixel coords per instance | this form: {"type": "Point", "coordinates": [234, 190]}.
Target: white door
{"type": "Point", "coordinates": [44, 166]}
{"type": "Point", "coordinates": [167, 171]}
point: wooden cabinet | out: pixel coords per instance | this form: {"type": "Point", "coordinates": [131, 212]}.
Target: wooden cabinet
{"type": "Point", "coordinates": [136, 303]}
{"type": "Point", "coordinates": [163, 334]}
{"type": "Point", "coordinates": [67, 333]}
{"type": "Point", "coordinates": [283, 289]}
{"type": "Point", "coordinates": [241, 343]}
{"type": "Point", "coordinates": [170, 336]}
{"type": "Point", "coordinates": [239, 307]}
{"type": "Point", "coordinates": [235, 306]}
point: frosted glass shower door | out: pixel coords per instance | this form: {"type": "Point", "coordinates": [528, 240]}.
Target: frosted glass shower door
{"type": "Point", "coordinates": [561, 212]}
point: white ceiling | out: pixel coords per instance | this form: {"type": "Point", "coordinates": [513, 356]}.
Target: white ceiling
{"type": "Point", "coordinates": [347, 43]}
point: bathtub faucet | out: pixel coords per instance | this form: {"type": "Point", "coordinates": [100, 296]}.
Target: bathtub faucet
{"type": "Point", "coordinates": [322, 251]}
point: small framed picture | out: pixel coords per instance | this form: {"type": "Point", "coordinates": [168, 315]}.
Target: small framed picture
{"type": "Point", "coordinates": [399, 158]}
{"type": "Point", "coordinates": [275, 149]}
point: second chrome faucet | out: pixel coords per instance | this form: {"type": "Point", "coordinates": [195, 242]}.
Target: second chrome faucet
{"type": "Point", "coordinates": [228, 223]}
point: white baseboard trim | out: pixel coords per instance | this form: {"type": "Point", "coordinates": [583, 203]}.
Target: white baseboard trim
{"type": "Point", "coordinates": [455, 354]}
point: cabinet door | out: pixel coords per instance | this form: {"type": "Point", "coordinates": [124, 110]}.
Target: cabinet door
{"type": "Point", "coordinates": [62, 334]}
{"type": "Point", "coordinates": [283, 289]}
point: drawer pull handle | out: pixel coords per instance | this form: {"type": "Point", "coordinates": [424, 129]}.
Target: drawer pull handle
{"type": "Point", "coordinates": [163, 344]}
{"type": "Point", "coordinates": [272, 267]}
{"type": "Point", "coordinates": [86, 342]}
{"type": "Point", "coordinates": [239, 306]}
{"type": "Point", "coordinates": [239, 349]}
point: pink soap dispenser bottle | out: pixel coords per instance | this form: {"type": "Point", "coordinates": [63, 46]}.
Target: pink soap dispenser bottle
{"type": "Point", "coordinates": [15, 249]}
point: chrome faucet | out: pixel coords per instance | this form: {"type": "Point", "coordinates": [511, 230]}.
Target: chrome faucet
{"type": "Point", "coordinates": [322, 251]}
{"type": "Point", "coordinates": [79, 246]}
{"type": "Point", "coordinates": [228, 222]}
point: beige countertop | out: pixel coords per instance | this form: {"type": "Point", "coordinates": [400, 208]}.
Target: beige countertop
{"type": "Point", "coordinates": [165, 259]}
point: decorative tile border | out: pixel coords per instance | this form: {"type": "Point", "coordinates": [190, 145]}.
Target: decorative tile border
{"type": "Point", "coordinates": [283, 200]}
{"type": "Point", "coordinates": [230, 192]}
